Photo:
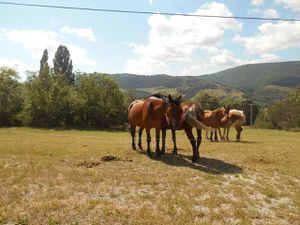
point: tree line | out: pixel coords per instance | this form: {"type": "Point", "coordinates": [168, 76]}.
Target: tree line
{"type": "Point", "coordinates": [60, 98]}
{"type": "Point", "coordinates": [283, 114]}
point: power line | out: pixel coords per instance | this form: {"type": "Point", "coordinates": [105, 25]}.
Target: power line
{"type": "Point", "coordinates": [146, 12]}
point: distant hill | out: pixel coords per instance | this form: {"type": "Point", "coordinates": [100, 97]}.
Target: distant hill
{"type": "Point", "coordinates": [143, 85]}
{"type": "Point", "coordinates": [264, 82]}
{"type": "Point", "coordinates": [260, 80]}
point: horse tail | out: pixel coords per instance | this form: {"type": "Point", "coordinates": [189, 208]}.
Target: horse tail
{"type": "Point", "coordinates": [191, 118]}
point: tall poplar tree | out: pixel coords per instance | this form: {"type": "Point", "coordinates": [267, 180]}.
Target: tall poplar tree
{"type": "Point", "coordinates": [63, 65]}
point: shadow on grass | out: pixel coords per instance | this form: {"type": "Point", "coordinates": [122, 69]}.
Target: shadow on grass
{"type": "Point", "coordinates": [207, 165]}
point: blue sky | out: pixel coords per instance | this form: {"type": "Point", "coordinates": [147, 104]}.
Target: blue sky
{"type": "Point", "coordinates": [150, 44]}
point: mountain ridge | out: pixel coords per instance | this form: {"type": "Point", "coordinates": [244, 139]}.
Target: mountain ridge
{"type": "Point", "coordinates": [263, 82]}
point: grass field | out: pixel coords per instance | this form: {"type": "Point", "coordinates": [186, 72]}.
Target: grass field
{"type": "Point", "coordinates": [58, 177]}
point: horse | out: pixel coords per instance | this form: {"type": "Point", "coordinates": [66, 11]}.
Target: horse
{"type": "Point", "coordinates": [194, 118]}
{"type": "Point", "coordinates": [215, 119]}
{"type": "Point", "coordinates": [154, 112]}
{"type": "Point", "coordinates": [235, 118]}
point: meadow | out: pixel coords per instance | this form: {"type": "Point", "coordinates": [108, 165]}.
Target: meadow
{"type": "Point", "coordinates": [93, 177]}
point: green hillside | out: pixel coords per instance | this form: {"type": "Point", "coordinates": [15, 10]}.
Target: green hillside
{"type": "Point", "coordinates": [189, 86]}
{"type": "Point", "coordinates": [255, 79]}
{"type": "Point", "coordinates": [264, 82]}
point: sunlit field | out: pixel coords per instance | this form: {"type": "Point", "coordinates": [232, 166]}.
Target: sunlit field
{"type": "Point", "coordinates": [93, 177]}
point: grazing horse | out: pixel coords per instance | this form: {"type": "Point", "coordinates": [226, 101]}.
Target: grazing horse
{"type": "Point", "coordinates": [235, 118]}
{"type": "Point", "coordinates": [215, 119]}
{"type": "Point", "coordinates": [154, 112]}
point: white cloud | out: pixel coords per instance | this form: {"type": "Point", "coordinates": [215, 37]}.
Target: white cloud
{"type": "Point", "coordinates": [79, 32]}
{"type": "Point", "coordinates": [79, 56]}
{"type": "Point", "coordinates": [290, 4]}
{"type": "Point", "coordinates": [146, 66]}
{"type": "Point", "coordinates": [271, 13]}
{"type": "Point", "coordinates": [257, 2]}
{"type": "Point", "coordinates": [35, 41]}
{"type": "Point", "coordinates": [218, 59]}
{"type": "Point", "coordinates": [18, 65]}
{"type": "Point", "coordinates": [176, 38]}
{"type": "Point", "coordinates": [272, 38]}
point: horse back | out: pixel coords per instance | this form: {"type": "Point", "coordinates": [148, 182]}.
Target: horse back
{"type": "Point", "coordinates": [153, 112]}
{"type": "Point", "coordinates": [237, 117]}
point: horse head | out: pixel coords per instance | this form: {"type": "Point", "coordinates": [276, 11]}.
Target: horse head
{"type": "Point", "coordinates": [174, 112]}
{"type": "Point", "coordinates": [225, 113]}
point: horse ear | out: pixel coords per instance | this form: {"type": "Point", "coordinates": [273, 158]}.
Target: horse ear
{"type": "Point", "coordinates": [179, 98]}
{"type": "Point", "coordinates": [227, 108]}
{"type": "Point", "coordinates": [170, 98]}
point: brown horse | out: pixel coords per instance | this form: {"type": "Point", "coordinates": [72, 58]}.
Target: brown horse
{"type": "Point", "coordinates": [153, 112]}
{"type": "Point", "coordinates": [194, 117]}
{"type": "Point", "coordinates": [215, 119]}
{"type": "Point", "coordinates": [235, 118]}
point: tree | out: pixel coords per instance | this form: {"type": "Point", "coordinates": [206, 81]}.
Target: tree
{"type": "Point", "coordinates": [11, 98]}
{"type": "Point", "coordinates": [63, 65]}
{"type": "Point", "coordinates": [104, 102]}
{"type": "Point", "coordinates": [206, 100]}
{"type": "Point", "coordinates": [44, 60]}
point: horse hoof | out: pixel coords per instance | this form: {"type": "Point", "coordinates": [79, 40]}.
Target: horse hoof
{"type": "Point", "coordinates": [162, 152]}
{"type": "Point", "coordinates": [149, 154]}
{"type": "Point", "coordinates": [140, 147]}
{"type": "Point", "coordinates": [175, 152]}
{"type": "Point", "coordinates": [195, 159]}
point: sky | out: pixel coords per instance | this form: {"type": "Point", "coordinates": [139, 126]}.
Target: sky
{"type": "Point", "coordinates": [150, 44]}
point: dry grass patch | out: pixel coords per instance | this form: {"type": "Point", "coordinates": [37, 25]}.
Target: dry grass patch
{"type": "Point", "coordinates": [45, 179]}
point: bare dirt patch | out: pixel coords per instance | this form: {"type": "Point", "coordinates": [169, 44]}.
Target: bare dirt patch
{"type": "Point", "coordinates": [107, 158]}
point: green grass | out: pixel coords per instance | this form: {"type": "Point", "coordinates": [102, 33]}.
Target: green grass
{"type": "Point", "coordinates": [44, 181]}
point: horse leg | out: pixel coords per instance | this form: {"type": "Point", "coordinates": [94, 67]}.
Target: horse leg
{"type": "Point", "coordinates": [239, 130]}
{"type": "Point", "coordinates": [220, 133]}
{"type": "Point", "coordinates": [206, 134]}
{"type": "Point", "coordinates": [148, 142]}
{"type": "Point", "coordinates": [163, 142]}
{"type": "Point", "coordinates": [216, 136]}
{"type": "Point", "coordinates": [227, 133]}
{"type": "Point", "coordinates": [140, 138]}
{"type": "Point", "coordinates": [199, 138]}
{"type": "Point", "coordinates": [132, 132]}
{"type": "Point", "coordinates": [157, 133]}
{"type": "Point", "coordinates": [174, 141]}
{"type": "Point", "coordinates": [211, 136]}
{"type": "Point", "coordinates": [191, 137]}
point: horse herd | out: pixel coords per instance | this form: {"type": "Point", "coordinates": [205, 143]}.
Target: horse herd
{"type": "Point", "coordinates": [165, 112]}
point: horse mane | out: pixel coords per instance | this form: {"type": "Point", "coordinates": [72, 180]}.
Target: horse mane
{"type": "Point", "coordinates": [158, 95]}
{"type": "Point", "coordinates": [165, 98]}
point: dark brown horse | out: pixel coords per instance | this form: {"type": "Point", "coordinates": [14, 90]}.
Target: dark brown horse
{"type": "Point", "coordinates": [153, 112]}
